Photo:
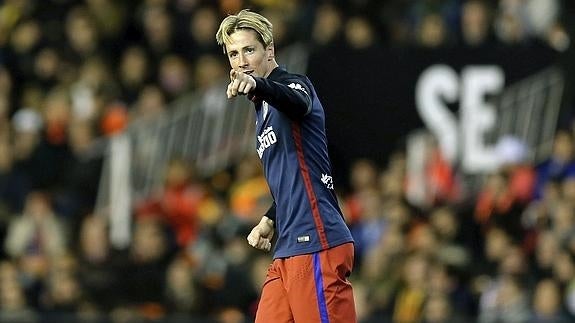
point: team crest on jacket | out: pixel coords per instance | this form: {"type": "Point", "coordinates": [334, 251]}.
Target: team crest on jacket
{"type": "Point", "coordinates": [327, 180]}
{"type": "Point", "coordinates": [265, 140]}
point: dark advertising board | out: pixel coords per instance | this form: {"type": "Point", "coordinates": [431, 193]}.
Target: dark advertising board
{"type": "Point", "coordinates": [375, 97]}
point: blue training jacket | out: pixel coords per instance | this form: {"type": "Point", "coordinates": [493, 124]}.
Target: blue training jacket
{"type": "Point", "coordinates": [292, 146]}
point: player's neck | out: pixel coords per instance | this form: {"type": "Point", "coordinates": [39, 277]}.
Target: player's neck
{"type": "Point", "coordinates": [271, 66]}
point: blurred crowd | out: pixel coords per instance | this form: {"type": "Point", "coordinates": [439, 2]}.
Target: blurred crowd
{"type": "Point", "coordinates": [502, 251]}
{"type": "Point", "coordinates": [74, 72]}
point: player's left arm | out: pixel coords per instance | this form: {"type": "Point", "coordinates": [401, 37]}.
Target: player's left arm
{"type": "Point", "coordinates": [261, 235]}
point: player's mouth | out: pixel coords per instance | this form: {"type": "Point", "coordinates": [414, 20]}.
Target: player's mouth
{"type": "Point", "coordinates": [249, 72]}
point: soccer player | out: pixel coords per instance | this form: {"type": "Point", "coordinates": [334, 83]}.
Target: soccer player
{"type": "Point", "coordinates": [313, 254]}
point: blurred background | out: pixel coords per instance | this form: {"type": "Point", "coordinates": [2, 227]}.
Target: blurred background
{"type": "Point", "coordinates": [128, 181]}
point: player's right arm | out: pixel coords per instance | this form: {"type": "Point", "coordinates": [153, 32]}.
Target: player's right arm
{"type": "Point", "coordinates": [292, 98]}
{"type": "Point", "coordinates": [240, 83]}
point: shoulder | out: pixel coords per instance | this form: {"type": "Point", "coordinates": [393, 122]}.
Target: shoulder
{"type": "Point", "coordinates": [284, 76]}
{"type": "Point", "coordinates": [296, 78]}
{"type": "Point", "coordinates": [296, 81]}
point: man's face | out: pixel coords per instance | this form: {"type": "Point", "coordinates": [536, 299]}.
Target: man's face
{"type": "Point", "coordinates": [248, 55]}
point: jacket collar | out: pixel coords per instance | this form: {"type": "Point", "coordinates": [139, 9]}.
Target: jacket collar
{"type": "Point", "coordinates": [276, 72]}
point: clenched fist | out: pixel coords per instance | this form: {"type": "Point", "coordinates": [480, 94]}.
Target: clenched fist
{"type": "Point", "coordinates": [261, 235]}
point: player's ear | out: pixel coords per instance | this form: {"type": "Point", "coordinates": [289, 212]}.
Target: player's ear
{"type": "Point", "coordinates": [270, 51]}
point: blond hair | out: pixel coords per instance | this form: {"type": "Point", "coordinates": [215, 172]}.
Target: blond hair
{"type": "Point", "coordinates": [245, 19]}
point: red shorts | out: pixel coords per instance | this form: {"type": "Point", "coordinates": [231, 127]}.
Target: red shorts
{"type": "Point", "coordinates": [309, 288]}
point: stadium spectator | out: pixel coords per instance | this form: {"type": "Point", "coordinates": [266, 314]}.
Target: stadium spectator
{"type": "Point", "coordinates": [547, 306]}
{"type": "Point", "coordinates": [14, 306]}
{"type": "Point", "coordinates": [98, 265]}
{"type": "Point", "coordinates": [559, 165]}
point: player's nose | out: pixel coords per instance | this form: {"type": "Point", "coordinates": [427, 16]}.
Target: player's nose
{"type": "Point", "coordinates": [243, 61]}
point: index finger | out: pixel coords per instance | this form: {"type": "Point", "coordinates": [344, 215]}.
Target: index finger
{"type": "Point", "coordinates": [233, 75]}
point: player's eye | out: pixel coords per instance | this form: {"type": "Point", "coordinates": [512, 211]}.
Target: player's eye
{"type": "Point", "coordinates": [249, 50]}
{"type": "Point", "coordinates": [233, 54]}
